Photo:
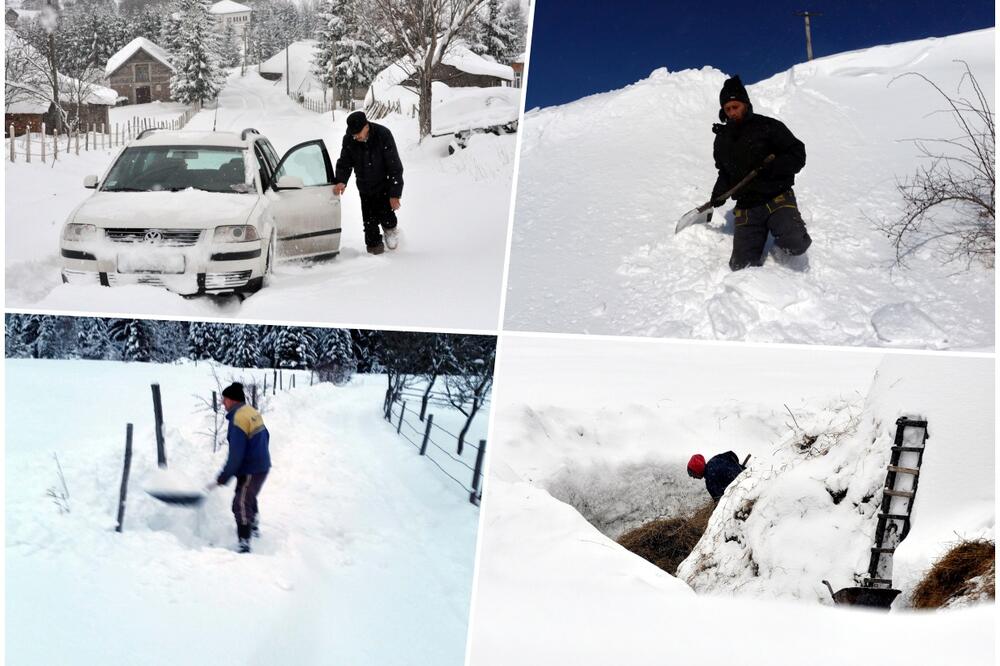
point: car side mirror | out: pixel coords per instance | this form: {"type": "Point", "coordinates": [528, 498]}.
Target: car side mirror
{"type": "Point", "coordinates": [90, 182]}
{"type": "Point", "coordinates": [289, 183]}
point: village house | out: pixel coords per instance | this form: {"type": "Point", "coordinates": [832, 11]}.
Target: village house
{"type": "Point", "coordinates": [227, 12]}
{"type": "Point", "coordinates": [140, 72]}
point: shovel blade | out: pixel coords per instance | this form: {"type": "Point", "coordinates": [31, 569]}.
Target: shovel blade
{"type": "Point", "coordinates": [179, 498]}
{"type": "Point", "coordinates": [694, 216]}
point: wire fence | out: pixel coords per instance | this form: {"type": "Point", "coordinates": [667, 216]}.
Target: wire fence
{"type": "Point", "coordinates": [44, 145]}
{"type": "Point", "coordinates": [425, 438]}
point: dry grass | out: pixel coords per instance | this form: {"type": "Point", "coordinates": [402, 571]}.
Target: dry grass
{"type": "Point", "coordinates": [666, 543]}
{"type": "Point", "coordinates": [951, 577]}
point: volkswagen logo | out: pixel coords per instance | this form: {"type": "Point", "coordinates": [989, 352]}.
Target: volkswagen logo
{"type": "Point", "coordinates": [153, 236]}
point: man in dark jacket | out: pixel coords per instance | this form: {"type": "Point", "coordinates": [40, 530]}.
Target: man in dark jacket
{"type": "Point", "coordinates": [249, 460]}
{"type": "Point", "coordinates": [766, 203]}
{"type": "Point", "coordinates": [370, 151]}
{"type": "Point", "coordinates": [718, 472]}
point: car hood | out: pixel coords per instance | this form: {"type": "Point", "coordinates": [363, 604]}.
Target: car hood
{"type": "Point", "coordinates": [187, 209]}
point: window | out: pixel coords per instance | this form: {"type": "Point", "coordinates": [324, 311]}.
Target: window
{"type": "Point", "coordinates": [142, 73]}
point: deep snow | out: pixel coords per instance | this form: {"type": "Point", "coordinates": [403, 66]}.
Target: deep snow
{"type": "Point", "coordinates": [588, 409]}
{"type": "Point", "coordinates": [447, 272]}
{"type": "Point", "coordinates": [603, 180]}
{"type": "Point", "coordinates": [366, 553]}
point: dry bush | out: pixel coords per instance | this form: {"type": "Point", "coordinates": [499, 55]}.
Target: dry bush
{"type": "Point", "coordinates": [666, 543]}
{"type": "Point", "coordinates": [951, 577]}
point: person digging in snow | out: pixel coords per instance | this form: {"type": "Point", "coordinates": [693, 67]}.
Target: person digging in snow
{"type": "Point", "coordinates": [718, 472]}
{"type": "Point", "coordinates": [249, 461]}
{"type": "Point", "coordinates": [766, 203]}
{"type": "Point", "coordinates": [370, 151]}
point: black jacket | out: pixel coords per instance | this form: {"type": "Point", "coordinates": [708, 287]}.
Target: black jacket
{"type": "Point", "coordinates": [739, 149]}
{"type": "Point", "coordinates": [720, 472]}
{"type": "Point", "coordinates": [375, 162]}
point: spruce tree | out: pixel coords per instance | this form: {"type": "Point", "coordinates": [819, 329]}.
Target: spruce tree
{"type": "Point", "coordinates": [92, 341]}
{"type": "Point", "coordinates": [244, 347]}
{"type": "Point", "coordinates": [197, 76]}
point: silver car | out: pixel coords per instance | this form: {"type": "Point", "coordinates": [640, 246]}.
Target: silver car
{"type": "Point", "coordinates": [202, 212]}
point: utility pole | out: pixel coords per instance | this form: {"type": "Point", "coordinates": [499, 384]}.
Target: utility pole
{"type": "Point", "coordinates": [288, 84]}
{"type": "Point", "coordinates": [333, 79]}
{"type": "Point", "coordinates": [809, 42]}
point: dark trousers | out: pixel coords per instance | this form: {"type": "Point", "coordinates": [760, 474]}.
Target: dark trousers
{"type": "Point", "coordinates": [245, 502]}
{"type": "Point", "coordinates": [780, 217]}
{"type": "Point", "coordinates": [376, 212]}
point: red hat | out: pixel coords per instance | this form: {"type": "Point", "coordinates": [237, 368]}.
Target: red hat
{"type": "Point", "coordinates": [696, 466]}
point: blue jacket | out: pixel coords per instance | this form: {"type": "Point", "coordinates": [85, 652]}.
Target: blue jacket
{"type": "Point", "coordinates": [248, 439]}
{"type": "Point", "coordinates": [720, 472]}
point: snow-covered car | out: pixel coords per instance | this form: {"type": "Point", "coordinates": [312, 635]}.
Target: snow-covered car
{"type": "Point", "coordinates": [202, 212]}
{"type": "Point", "coordinates": [468, 111]}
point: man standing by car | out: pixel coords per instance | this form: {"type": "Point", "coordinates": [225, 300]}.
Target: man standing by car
{"type": "Point", "coordinates": [766, 204]}
{"type": "Point", "coordinates": [370, 151]}
{"type": "Point", "coordinates": [249, 460]}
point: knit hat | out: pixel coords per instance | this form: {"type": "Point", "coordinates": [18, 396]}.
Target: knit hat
{"type": "Point", "coordinates": [733, 89]}
{"type": "Point", "coordinates": [356, 122]}
{"type": "Point", "coordinates": [234, 392]}
{"type": "Point", "coordinates": [696, 466]}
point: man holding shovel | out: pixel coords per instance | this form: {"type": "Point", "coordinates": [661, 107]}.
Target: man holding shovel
{"type": "Point", "coordinates": [249, 460]}
{"type": "Point", "coordinates": [744, 145]}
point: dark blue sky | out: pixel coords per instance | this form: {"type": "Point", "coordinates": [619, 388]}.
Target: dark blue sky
{"type": "Point", "coordinates": [581, 47]}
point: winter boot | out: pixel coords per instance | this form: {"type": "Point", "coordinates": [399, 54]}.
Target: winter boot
{"type": "Point", "coordinates": [392, 238]}
{"type": "Point", "coordinates": [255, 527]}
{"type": "Point", "coordinates": [243, 534]}
{"type": "Point", "coordinates": [376, 249]}
{"type": "Point", "coordinates": [244, 546]}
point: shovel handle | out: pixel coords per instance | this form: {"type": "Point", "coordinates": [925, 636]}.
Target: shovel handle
{"type": "Point", "coordinates": [736, 188]}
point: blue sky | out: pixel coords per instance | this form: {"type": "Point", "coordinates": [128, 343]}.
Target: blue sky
{"type": "Point", "coordinates": [588, 46]}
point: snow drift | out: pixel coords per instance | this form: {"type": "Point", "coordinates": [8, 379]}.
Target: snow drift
{"type": "Point", "coordinates": [604, 179]}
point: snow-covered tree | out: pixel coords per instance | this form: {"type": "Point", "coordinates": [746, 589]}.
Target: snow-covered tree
{"type": "Point", "coordinates": [468, 388]}
{"type": "Point", "coordinates": [244, 347]}
{"type": "Point", "coordinates": [201, 341]}
{"type": "Point", "coordinates": [345, 38]}
{"type": "Point", "coordinates": [230, 47]}
{"type": "Point", "coordinates": [16, 340]}
{"type": "Point", "coordinates": [334, 358]}
{"type": "Point", "coordinates": [290, 347]}
{"type": "Point", "coordinates": [198, 76]}
{"type": "Point", "coordinates": [135, 338]}
{"type": "Point", "coordinates": [92, 339]}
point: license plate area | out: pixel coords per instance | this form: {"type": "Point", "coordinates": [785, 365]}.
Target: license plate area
{"type": "Point", "coordinates": [164, 263]}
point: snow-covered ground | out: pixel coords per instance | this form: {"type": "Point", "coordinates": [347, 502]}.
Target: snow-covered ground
{"type": "Point", "coordinates": [603, 181]}
{"type": "Point", "coordinates": [447, 272]}
{"type": "Point", "coordinates": [366, 554]}
{"type": "Point", "coordinates": [589, 409]}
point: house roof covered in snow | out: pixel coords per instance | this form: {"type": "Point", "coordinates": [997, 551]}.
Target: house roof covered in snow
{"type": "Point", "coordinates": [228, 7]}
{"type": "Point", "coordinates": [461, 57]}
{"type": "Point", "coordinates": [139, 43]}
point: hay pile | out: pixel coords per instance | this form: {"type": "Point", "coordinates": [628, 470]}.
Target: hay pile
{"type": "Point", "coordinates": [666, 543]}
{"type": "Point", "coordinates": [966, 573]}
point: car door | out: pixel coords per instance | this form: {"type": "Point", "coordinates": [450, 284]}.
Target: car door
{"type": "Point", "coordinates": [308, 219]}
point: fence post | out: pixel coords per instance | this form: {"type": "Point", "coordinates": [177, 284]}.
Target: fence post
{"type": "Point", "coordinates": [427, 434]}
{"type": "Point", "coordinates": [55, 144]}
{"type": "Point", "coordinates": [265, 385]}
{"type": "Point", "coordinates": [27, 145]}
{"type": "Point", "coordinates": [86, 138]}
{"type": "Point", "coordinates": [12, 142]}
{"type": "Point", "coordinates": [161, 452]}
{"type": "Point", "coordinates": [474, 495]}
{"type": "Point", "coordinates": [77, 142]}
{"type": "Point", "coordinates": [402, 411]}
{"type": "Point", "coordinates": [215, 420]}
{"type": "Point", "coordinates": [42, 141]}
{"type": "Point", "coordinates": [274, 383]}
{"type": "Point", "coordinates": [103, 132]}
{"type": "Point", "coordinates": [125, 468]}
{"type": "Point", "coordinates": [253, 393]}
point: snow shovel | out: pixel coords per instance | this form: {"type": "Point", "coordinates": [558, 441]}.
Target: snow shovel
{"type": "Point", "coordinates": [173, 488]}
{"type": "Point", "coordinates": [703, 213]}
{"type": "Point", "coordinates": [178, 497]}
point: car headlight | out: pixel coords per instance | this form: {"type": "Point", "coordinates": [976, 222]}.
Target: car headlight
{"type": "Point", "coordinates": [79, 232]}
{"type": "Point", "coordinates": [236, 233]}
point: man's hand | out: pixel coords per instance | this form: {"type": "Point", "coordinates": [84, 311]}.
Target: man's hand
{"type": "Point", "coordinates": [339, 188]}
{"type": "Point", "coordinates": [394, 203]}
{"type": "Point", "coordinates": [719, 201]}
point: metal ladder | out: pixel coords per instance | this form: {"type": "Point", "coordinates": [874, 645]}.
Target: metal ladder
{"type": "Point", "coordinates": [897, 499]}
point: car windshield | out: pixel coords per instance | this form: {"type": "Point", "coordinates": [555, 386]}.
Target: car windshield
{"type": "Point", "coordinates": [173, 168]}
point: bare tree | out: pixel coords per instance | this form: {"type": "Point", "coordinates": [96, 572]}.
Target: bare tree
{"type": "Point", "coordinates": [469, 388]}
{"type": "Point", "coordinates": [423, 30]}
{"type": "Point", "coordinates": [950, 200]}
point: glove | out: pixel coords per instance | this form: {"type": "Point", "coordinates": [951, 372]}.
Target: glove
{"type": "Point", "coordinates": [718, 201]}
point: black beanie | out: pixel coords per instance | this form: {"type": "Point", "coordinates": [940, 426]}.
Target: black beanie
{"type": "Point", "coordinates": [234, 392]}
{"type": "Point", "coordinates": [356, 122]}
{"type": "Point", "coordinates": [733, 89]}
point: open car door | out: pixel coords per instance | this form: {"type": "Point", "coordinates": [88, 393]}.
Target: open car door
{"type": "Point", "coordinates": [306, 212]}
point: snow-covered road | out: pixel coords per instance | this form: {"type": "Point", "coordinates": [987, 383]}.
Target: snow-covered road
{"type": "Point", "coordinates": [366, 554]}
{"type": "Point", "coordinates": [603, 180]}
{"type": "Point", "coordinates": [446, 274]}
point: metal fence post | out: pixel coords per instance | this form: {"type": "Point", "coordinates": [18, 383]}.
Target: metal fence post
{"type": "Point", "coordinates": [11, 142]}
{"type": "Point", "coordinates": [161, 452]}
{"type": "Point", "coordinates": [402, 411]}
{"type": "Point", "coordinates": [477, 474]}
{"type": "Point", "coordinates": [42, 142]}
{"type": "Point", "coordinates": [125, 468]}
{"type": "Point", "coordinates": [427, 434]}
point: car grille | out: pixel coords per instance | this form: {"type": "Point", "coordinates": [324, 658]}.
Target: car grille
{"type": "Point", "coordinates": [160, 237]}
{"type": "Point", "coordinates": [226, 280]}
{"type": "Point", "coordinates": [115, 279]}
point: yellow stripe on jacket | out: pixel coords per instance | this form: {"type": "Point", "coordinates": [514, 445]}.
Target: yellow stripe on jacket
{"type": "Point", "coordinates": [248, 420]}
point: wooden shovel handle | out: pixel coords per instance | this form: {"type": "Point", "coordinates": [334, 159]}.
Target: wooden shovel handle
{"type": "Point", "coordinates": [736, 188]}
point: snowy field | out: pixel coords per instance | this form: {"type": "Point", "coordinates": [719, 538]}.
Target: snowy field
{"type": "Point", "coordinates": [446, 274]}
{"type": "Point", "coordinates": [603, 181]}
{"type": "Point", "coordinates": [583, 410]}
{"type": "Point", "coordinates": [366, 553]}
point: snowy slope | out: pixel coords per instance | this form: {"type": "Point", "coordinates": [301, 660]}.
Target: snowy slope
{"type": "Point", "coordinates": [446, 274]}
{"type": "Point", "coordinates": [572, 596]}
{"type": "Point", "coordinates": [366, 553]}
{"type": "Point", "coordinates": [604, 179]}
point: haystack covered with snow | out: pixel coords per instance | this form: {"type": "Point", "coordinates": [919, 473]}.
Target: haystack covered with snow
{"type": "Point", "coordinates": [299, 63]}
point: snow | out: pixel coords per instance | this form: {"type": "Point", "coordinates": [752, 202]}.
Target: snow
{"type": "Point", "coordinates": [366, 553]}
{"type": "Point", "coordinates": [300, 64]}
{"type": "Point", "coordinates": [228, 7]}
{"type": "Point", "coordinates": [469, 108]}
{"type": "Point", "coordinates": [586, 409]}
{"type": "Point", "coordinates": [603, 181]}
{"type": "Point", "coordinates": [447, 272]}
{"type": "Point", "coordinates": [130, 49]}
{"type": "Point", "coordinates": [461, 57]}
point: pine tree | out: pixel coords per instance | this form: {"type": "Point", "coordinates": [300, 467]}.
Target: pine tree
{"type": "Point", "coordinates": [334, 358]}
{"type": "Point", "coordinates": [516, 25]}
{"type": "Point", "coordinates": [14, 337]}
{"type": "Point", "coordinates": [92, 339]}
{"type": "Point", "coordinates": [134, 337]}
{"type": "Point", "coordinates": [244, 347]}
{"type": "Point", "coordinates": [230, 53]}
{"type": "Point", "coordinates": [345, 39]}
{"type": "Point", "coordinates": [198, 77]}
